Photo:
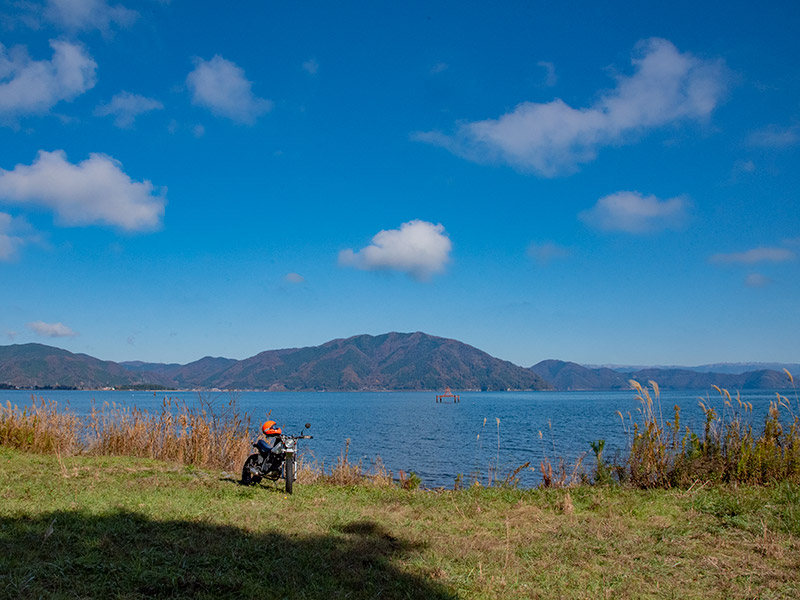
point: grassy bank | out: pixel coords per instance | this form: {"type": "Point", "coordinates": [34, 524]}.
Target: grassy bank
{"type": "Point", "coordinates": [114, 527]}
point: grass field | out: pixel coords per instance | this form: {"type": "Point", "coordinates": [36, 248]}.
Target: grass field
{"type": "Point", "coordinates": [116, 527]}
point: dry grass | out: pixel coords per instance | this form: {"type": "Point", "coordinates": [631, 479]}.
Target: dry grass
{"type": "Point", "coordinates": [42, 427]}
{"type": "Point", "coordinates": [345, 472]}
{"type": "Point", "coordinates": [555, 470]}
{"type": "Point", "coordinates": [214, 434]}
{"type": "Point", "coordinates": [211, 435]}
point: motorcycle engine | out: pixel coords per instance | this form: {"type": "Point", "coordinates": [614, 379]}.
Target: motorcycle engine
{"type": "Point", "coordinates": [273, 463]}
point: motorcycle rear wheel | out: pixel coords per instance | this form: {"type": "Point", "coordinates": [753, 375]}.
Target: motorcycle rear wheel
{"type": "Point", "coordinates": [247, 477]}
{"type": "Point", "coordinates": [289, 473]}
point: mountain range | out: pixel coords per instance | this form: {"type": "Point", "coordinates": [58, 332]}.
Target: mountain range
{"type": "Point", "coordinates": [565, 376]}
{"type": "Point", "coordinates": [392, 361]}
{"type": "Point", "coordinates": [730, 368]}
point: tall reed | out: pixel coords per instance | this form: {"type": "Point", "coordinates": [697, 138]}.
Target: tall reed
{"type": "Point", "coordinates": [728, 450]}
{"type": "Point", "coordinates": [41, 427]}
{"type": "Point", "coordinates": [211, 434]}
{"type": "Point", "coordinates": [555, 471]}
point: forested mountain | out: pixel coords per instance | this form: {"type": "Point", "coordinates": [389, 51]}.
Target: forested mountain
{"type": "Point", "coordinates": [40, 366]}
{"type": "Point", "coordinates": [564, 375]}
{"type": "Point", "coordinates": [393, 361]}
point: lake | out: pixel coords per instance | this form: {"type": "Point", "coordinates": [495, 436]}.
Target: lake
{"type": "Point", "coordinates": [410, 431]}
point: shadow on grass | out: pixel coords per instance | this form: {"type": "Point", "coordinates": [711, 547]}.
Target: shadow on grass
{"type": "Point", "coordinates": [267, 485]}
{"type": "Point", "coordinates": [128, 555]}
{"type": "Point", "coordinates": [230, 480]}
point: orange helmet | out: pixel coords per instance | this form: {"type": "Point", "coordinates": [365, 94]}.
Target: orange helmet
{"type": "Point", "coordinates": [268, 428]}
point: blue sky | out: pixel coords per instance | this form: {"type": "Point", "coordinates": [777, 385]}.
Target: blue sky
{"type": "Point", "coordinates": [596, 182]}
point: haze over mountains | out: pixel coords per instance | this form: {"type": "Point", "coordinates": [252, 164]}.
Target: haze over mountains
{"type": "Point", "coordinates": [565, 376]}
{"type": "Point", "coordinates": [393, 361]}
{"type": "Point", "coordinates": [729, 368]}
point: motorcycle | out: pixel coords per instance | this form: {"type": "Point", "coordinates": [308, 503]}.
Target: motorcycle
{"type": "Point", "coordinates": [276, 461]}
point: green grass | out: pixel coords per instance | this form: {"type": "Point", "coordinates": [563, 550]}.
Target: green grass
{"type": "Point", "coordinates": [116, 527]}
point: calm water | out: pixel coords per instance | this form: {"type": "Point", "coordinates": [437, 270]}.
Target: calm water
{"type": "Point", "coordinates": [409, 431]}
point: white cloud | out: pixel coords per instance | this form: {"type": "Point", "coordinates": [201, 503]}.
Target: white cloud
{"type": "Point", "coordinates": [33, 87]}
{"type": "Point", "coordinates": [418, 248]}
{"type": "Point", "coordinates": [84, 15]}
{"type": "Point", "coordinates": [51, 329]}
{"type": "Point", "coordinates": [547, 252]}
{"type": "Point", "coordinates": [15, 232]}
{"type": "Point", "coordinates": [775, 136]}
{"type": "Point", "coordinates": [551, 139]}
{"type": "Point", "coordinates": [25, 13]}
{"type": "Point", "coordinates": [439, 67]}
{"type": "Point", "coordinates": [755, 255]}
{"type": "Point", "coordinates": [631, 212]}
{"type": "Point", "coordinates": [756, 280]}
{"type": "Point", "coordinates": [93, 191]}
{"type": "Point", "coordinates": [311, 66]}
{"type": "Point", "coordinates": [550, 78]}
{"type": "Point", "coordinates": [294, 278]}
{"type": "Point", "coordinates": [9, 242]}
{"type": "Point", "coordinates": [222, 87]}
{"type": "Point", "coordinates": [125, 107]}
{"type": "Point", "coordinates": [198, 131]}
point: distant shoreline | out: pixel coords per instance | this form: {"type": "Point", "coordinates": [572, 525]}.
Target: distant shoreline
{"type": "Point", "coordinates": [392, 362]}
{"type": "Point", "coordinates": [267, 391]}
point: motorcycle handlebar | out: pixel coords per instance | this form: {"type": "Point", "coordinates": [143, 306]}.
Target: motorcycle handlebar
{"type": "Point", "coordinates": [296, 437]}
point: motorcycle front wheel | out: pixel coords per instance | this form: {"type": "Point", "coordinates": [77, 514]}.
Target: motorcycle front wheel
{"type": "Point", "coordinates": [289, 467]}
{"type": "Point", "coordinates": [248, 477]}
